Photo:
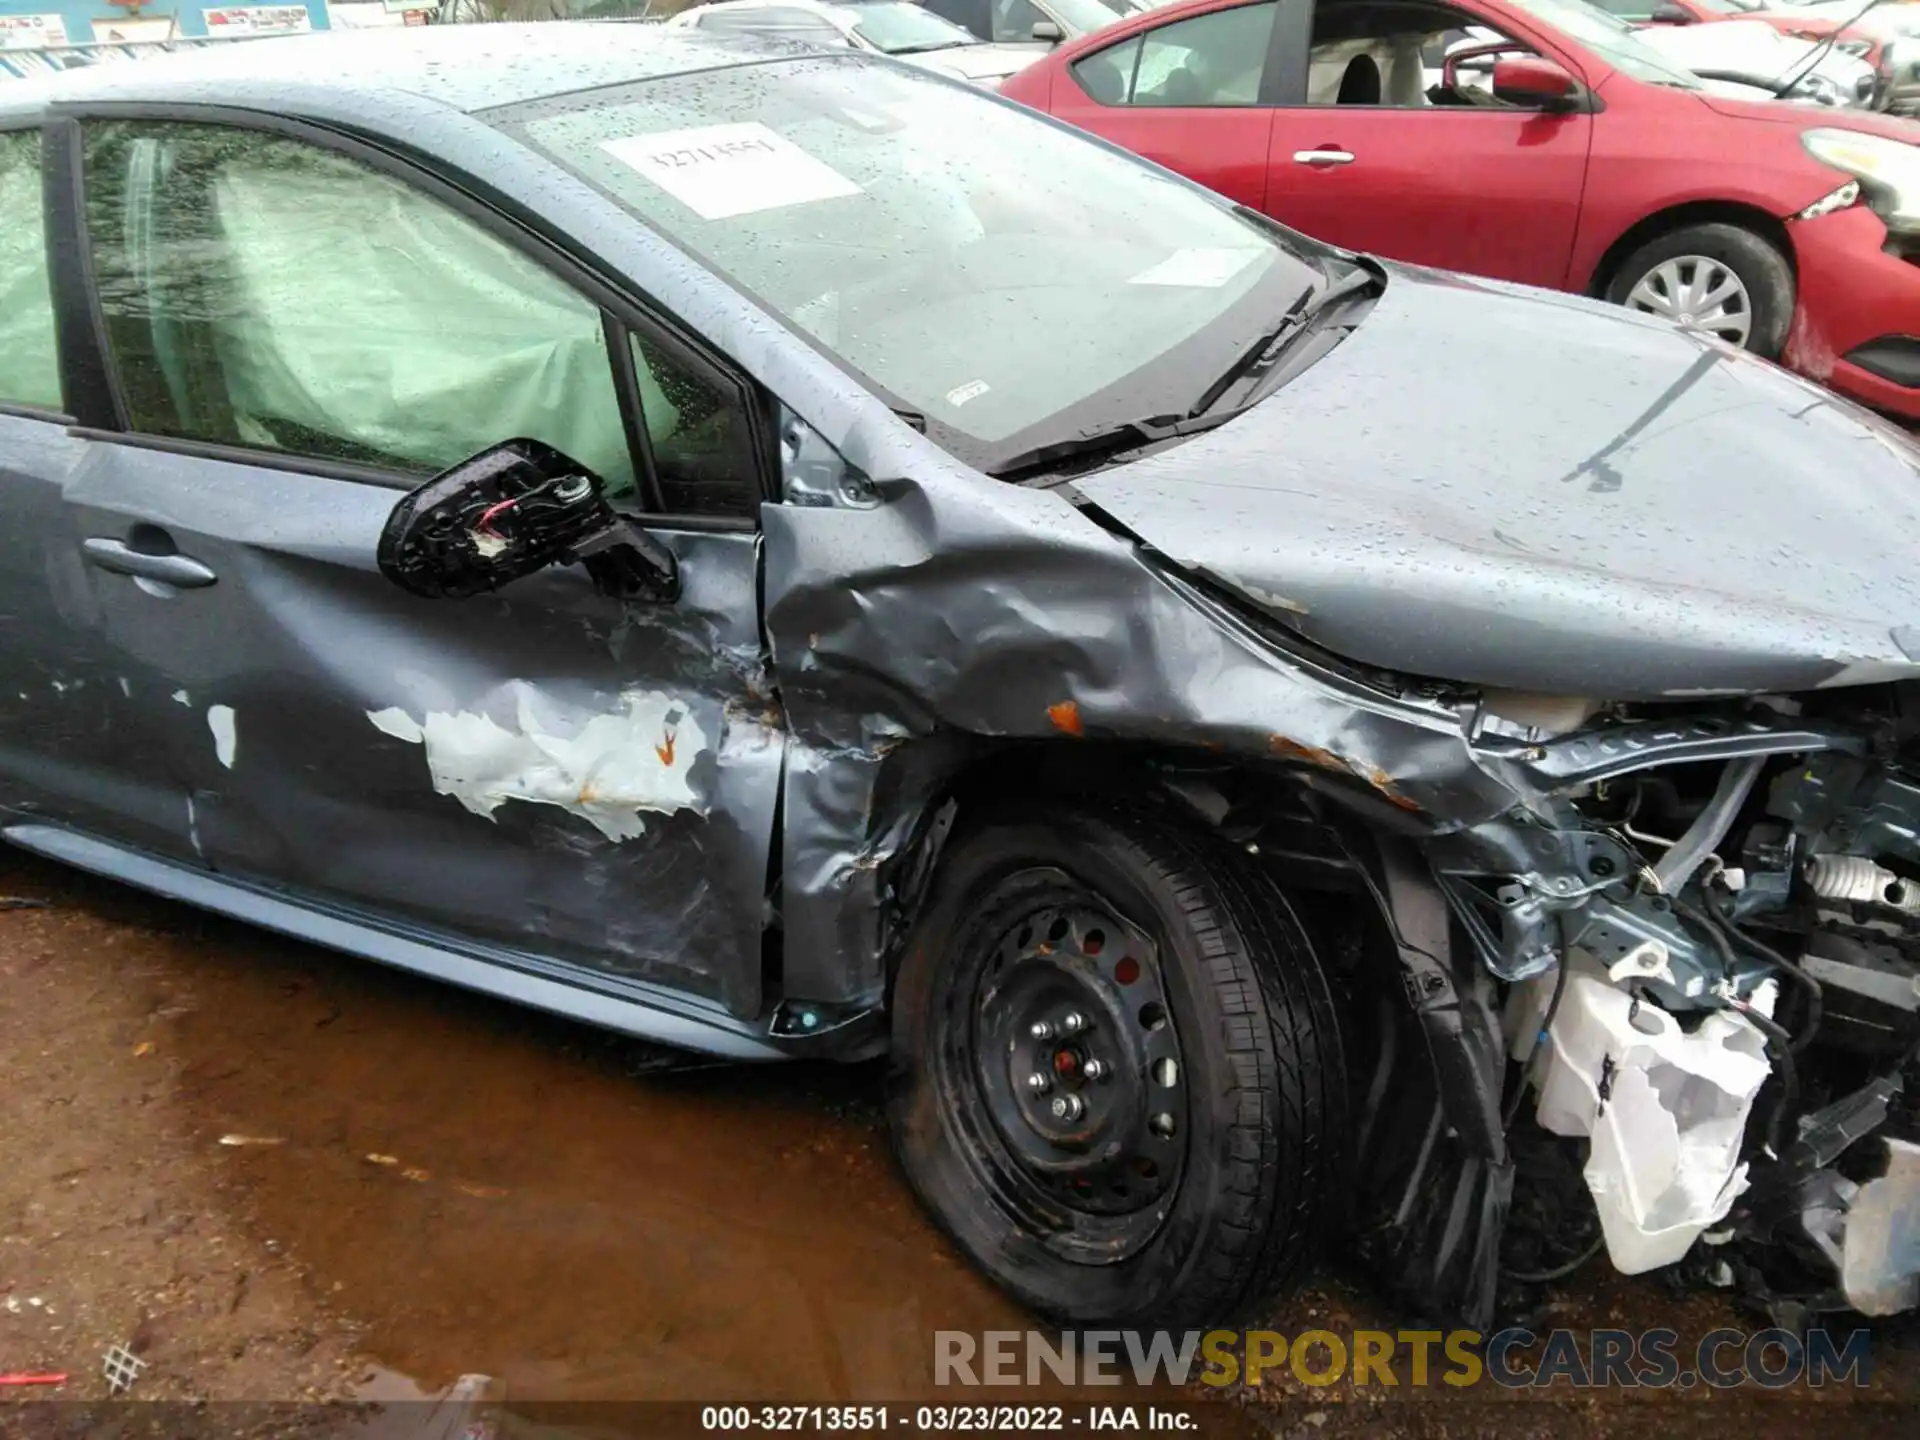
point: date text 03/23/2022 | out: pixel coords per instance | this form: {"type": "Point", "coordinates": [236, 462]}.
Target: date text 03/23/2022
{"type": "Point", "coordinates": [947, 1419]}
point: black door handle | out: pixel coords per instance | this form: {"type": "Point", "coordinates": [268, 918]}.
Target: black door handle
{"type": "Point", "coordinates": [182, 571]}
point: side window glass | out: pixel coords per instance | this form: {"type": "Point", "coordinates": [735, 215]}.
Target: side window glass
{"type": "Point", "coordinates": [1107, 75]}
{"type": "Point", "coordinates": [1395, 56]}
{"type": "Point", "coordinates": [262, 293]}
{"type": "Point", "coordinates": [1015, 19]}
{"type": "Point", "coordinates": [970, 15]}
{"type": "Point", "coordinates": [800, 26]}
{"type": "Point", "coordinates": [1213, 60]}
{"type": "Point", "coordinates": [29, 364]}
{"type": "Point", "coordinates": [701, 442]}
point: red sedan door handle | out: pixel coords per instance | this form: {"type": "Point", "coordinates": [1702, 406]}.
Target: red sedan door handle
{"type": "Point", "coordinates": [1324, 156]}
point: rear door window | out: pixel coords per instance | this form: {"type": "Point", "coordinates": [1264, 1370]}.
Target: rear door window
{"type": "Point", "coordinates": [1211, 60]}
{"type": "Point", "coordinates": [29, 361]}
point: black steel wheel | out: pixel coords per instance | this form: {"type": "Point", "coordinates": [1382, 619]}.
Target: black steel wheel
{"type": "Point", "coordinates": [1116, 1077]}
{"type": "Point", "coordinates": [1063, 1064]}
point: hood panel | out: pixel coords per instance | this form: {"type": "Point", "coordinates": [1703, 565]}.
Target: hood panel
{"type": "Point", "coordinates": [1749, 48]}
{"type": "Point", "coordinates": [1815, 117]}
{"type": "Point", "coordinates": [1506, 486]}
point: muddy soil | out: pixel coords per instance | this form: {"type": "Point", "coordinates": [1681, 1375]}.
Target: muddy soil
{"type": "Point", "coordinates": [278, 1174]}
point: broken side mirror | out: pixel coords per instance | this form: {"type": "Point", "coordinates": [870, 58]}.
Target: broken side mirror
{"type": "Point", "coordinates": [512, 510]}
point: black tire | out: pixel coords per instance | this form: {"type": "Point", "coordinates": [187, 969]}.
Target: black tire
{"type": "Point", "coordinates": [1758, 264]}
{"type": "Point", "coordinates": [1262, 1123]}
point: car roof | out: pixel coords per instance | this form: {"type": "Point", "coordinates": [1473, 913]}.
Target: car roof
{"type": "Point", "coordinates": [463, 67]}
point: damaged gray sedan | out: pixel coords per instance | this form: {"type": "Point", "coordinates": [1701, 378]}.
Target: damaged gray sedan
{"type": "Point", "coordinates": [785, 555]}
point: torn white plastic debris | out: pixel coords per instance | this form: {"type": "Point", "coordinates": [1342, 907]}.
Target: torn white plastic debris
{"type": "Point", "coordinates": [225, 737]}
{"type": "Point", "coordinates": [610, 771]}
{"type": "Point", "coordinates": [1666, 1111]}
{"type": "Point", "coordinates": [1880, 1268]}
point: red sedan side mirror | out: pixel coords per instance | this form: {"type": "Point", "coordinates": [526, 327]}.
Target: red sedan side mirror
{"type": "Point", "coordinates": [1533, 80]}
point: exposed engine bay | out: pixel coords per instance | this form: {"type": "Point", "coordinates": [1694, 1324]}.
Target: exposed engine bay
{"type": "Point", "coordinates": [1699, 956]}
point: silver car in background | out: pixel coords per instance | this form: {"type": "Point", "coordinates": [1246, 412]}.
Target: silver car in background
{"type": "Point", "coordinates": [884, 27]}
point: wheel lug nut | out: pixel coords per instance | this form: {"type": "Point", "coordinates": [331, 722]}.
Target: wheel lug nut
{"type": "Point", "coordinates": [1072, 1023]}
{"type": "Point", "coordinates": [1094, 1069]}
{"type": "Point", "coordinates": [1041, 1030]}
{"type": "Point", "coordinates": [1039, 1083]}
{"type": "Point", "coordinates": [1067, 1107]}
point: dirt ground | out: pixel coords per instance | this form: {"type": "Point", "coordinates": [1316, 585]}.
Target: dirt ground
{"type": "Point", "coordinates": [278, 1175]}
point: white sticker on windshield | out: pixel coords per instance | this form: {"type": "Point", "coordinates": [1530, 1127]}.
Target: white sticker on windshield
{"type": "Point", "coordinates": [1209, 268]}
{"type": "Point", "coordinates": [972, 390]}
{"type": "Point", "coordinates": [719, 171]}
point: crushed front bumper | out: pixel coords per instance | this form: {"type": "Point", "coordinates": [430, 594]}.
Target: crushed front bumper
{"type": "Point", "coordinates": [1856, 326]}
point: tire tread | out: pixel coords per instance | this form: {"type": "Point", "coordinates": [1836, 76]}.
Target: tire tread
{"type": "Point", "coordinates": [1283, 1171]}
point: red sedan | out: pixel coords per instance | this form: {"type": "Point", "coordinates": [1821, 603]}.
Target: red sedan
{"type": "Point", "coordinates": [1563, 153]}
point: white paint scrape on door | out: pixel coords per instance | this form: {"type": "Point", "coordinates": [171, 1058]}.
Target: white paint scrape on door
{"type": "Point", "coordinates": [225, 737]}
{"type": "Point", "coordinates": [611, 770]}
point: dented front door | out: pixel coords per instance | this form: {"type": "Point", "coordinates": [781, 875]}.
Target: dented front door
{"type": "Point", "coordinates": [546, 776]}
{"type": "Point", "coordinates": [545, 770]}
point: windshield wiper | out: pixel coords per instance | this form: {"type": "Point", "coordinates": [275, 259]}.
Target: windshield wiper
{"type": "Point", "coordinates": [929, 48]}
{"type": "Point", "coordinates": [1260, 355]}
{"type": "Point", "coordinates": [1783, 85]}
{"type": "Point", "coordinates": [1104, 444]}
{"type": "Point", "coordinates": [1254, 363]}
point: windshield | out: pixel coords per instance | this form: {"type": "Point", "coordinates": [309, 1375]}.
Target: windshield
{"type": "Point", "coordinates": [1611, 39]}
{"type": "Point", "coordinates": [897, 28]}
{"type": "Point", "coordinates": [1077, 17]}
{"type": "Point", "coordinates": [1007, 280]}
